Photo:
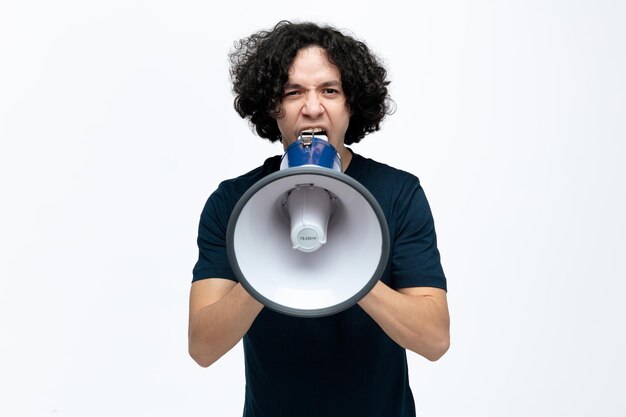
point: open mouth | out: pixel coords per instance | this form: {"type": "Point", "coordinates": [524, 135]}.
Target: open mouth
{"type": "Point", "coordinates": [309, 134]}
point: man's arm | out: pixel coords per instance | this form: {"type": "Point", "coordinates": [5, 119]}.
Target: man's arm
{"type": "Point", "coordinates": [220, 313]}
{"type": "Point", "coordinates": [416, 318]}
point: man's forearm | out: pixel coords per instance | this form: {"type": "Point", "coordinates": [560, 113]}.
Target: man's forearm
{"type": "Point", "coordinates": [420, 323]}
{"type": "Point", "coordinates": [216, 328]}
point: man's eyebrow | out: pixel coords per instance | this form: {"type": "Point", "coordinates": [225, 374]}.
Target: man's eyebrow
{"type": "Point", "coordinates": [332, 83]}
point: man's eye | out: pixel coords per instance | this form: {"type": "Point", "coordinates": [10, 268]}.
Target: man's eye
{"type": "Point", "coordinates": [331, 91]}
{"type": "Point", "coordinates": [291, 93]}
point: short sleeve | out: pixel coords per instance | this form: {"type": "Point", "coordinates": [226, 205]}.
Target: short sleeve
{"type": "Point", "coordinates": [212, 253]}
{"type": "Point", "coordinates": [212, 257]}
{"type": "Point", "coordinates": [415, 260]}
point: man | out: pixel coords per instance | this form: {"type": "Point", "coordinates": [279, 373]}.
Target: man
{"type": "Point", "coordinates": [292, 78]}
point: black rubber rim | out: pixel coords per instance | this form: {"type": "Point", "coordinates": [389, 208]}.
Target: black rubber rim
{"type": "Point", "coordinates": [308, 170]}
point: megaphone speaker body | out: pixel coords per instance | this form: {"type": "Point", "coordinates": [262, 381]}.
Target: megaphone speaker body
{"type": "Point", "coordinates": [308, 208]}
{"type": "Point", "coordinates": [318, 281]}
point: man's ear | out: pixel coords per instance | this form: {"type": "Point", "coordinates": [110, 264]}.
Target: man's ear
{"type": "Point", "coordinates": [277, 113]}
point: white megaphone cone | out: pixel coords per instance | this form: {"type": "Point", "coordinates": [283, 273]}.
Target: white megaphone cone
{"type": "Point", "coordinates": [308, 240]}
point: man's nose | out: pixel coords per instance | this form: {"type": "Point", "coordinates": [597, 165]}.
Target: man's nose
{"type": "Point", "coordinates": [312, 106]}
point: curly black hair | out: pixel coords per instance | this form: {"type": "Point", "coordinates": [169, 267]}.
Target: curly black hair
{"type": "Point", "coordinates": [260, 67]}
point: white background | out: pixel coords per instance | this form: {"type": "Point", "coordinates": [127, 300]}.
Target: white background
{"type": "Point", "coordinates": [116, 123]}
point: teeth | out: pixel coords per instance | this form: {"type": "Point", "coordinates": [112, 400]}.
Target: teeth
{"type": "Point", "coordinates": [313, 132]}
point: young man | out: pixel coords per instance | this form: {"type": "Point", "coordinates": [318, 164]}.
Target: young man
{"type": "Point", "coordinates": [292, 78]}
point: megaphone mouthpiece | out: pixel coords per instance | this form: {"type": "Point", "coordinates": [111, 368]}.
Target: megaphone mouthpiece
{"type": "Point", "coordinates": [311, 150]}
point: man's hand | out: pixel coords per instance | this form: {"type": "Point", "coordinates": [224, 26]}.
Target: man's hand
{"type": "Point", "coordinates": [416, 318]}
{"type": "Point", "coordinates": [220, 313]}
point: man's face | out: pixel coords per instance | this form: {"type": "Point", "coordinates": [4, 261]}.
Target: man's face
{"type": "Point", "coordinates": [313, 98]}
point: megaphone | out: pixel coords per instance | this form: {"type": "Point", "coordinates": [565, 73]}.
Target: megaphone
{"type": "Point", "coordinates": [308, 240]}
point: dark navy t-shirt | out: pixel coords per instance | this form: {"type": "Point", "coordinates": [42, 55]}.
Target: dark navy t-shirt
{"type": "Point", "coordinates": [344, 364]}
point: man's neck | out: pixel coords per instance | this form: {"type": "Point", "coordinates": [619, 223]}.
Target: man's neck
{"type": "Point", "coordinates": [346, 157]}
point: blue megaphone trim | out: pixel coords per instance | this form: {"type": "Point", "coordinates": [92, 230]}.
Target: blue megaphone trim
{"type": "Point", "coordinates": [313, 151]}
